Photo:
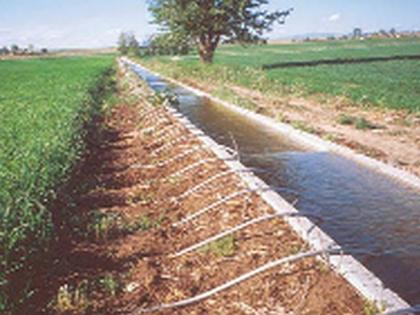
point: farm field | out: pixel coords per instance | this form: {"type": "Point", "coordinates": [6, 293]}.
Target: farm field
{"type": "Point", "coordinates": [247, 157]}
{"type": "Point", "coordinates": [392, 84]}
{"type": "Point", "coordinates": [46, 106]}
{"type": "Point", "coordinates": [396, 82]}
{"type": "Point", "coordinates": [118, 204]}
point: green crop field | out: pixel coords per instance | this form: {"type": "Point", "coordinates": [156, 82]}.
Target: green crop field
{"type": "Point", "coordinates": [394, 84]}
{"type": "Point", "coordinates": [390, 84]}
{"type": "Point", "coordinates": [45, 105]}
{"type": "Point", "coordinates": [259, 55]}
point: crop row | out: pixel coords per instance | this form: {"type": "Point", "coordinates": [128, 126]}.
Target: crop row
{"type": "Point", "coordinates": [46, 107]}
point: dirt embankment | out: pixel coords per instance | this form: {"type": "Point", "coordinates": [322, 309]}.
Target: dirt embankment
{"type": "Point", "coordinates": [116, 258]}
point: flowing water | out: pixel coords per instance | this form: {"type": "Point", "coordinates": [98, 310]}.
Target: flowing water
{"type": "Point", "coordinates": [359, 207]}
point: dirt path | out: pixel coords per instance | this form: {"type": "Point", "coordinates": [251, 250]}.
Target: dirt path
{"type": "Point", "coordinates": [115, 255]}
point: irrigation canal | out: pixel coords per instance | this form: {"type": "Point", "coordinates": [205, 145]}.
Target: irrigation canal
{"type": "Point", "coordinates": [359, 207]}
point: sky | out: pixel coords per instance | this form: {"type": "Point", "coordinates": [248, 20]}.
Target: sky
{"type": "Point", "coordinates": [97, 23]}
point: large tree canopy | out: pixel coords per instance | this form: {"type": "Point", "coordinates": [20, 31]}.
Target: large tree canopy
{"type": "Point", "coordinates": [209, 21]}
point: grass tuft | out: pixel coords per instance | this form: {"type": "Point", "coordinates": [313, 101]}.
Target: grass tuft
{"type": "Point", "coordinates": [71, 300]}
{"type": "Point", "coordinates": [303, 126]}
{"type": "Point", "coordinates": [364, 124]}
{"type": "Point", "coordinates": [225, 247]}
{"type": "Point", "coordinates": [370, 308]}
{"type": "Point", "coordinates": [110, 285]}
{"type": "Point", "coordinates": [345, 119]}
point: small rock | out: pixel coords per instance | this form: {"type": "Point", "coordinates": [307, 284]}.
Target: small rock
{"type": "Point", "coordinates": [131, 287]}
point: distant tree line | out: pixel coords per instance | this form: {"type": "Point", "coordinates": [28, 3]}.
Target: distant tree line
{"type": "Point", "coordinates": [358, 33]}
{"type": "Point", "coordinates": [15, 50]}
{"type": "Point", "coordinates": [159, 44]}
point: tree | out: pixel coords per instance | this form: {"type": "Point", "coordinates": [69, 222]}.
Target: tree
{"type": "Point", "coordinates": [383, 33]}
{"type": "Point", "coordinates": [357, 32]}
{"type": "Point", "coordinates": [4, 51]}
{"type": "Point", "coordinates": [132, 44]}
{"type": "Point", "coordinates": [207, 22]}
{"type": "Point", "coordinates": [14, 49]}
{"type": "Point", "coordinates": [393, 32]}
{"type": "Point", "coordinates": [127, 43]}
{"type": "Point", "coordinates": [123, 44]}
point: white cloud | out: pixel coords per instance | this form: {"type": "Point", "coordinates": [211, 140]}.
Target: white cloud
{"type": "Point", "coordinates": [335, 17]}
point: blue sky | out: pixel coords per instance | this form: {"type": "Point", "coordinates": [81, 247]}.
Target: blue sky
{"type": "Point", "coordinates": [97, 23]}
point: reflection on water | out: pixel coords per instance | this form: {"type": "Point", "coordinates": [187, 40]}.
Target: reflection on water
{"type": "Point", "coordinates": [360, 208]}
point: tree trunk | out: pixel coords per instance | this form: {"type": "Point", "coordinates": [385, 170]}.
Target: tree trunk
{"type": "Point", "coordinates": [206, 47]}
{"type": "Point", "coordinates": [206, 53]}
